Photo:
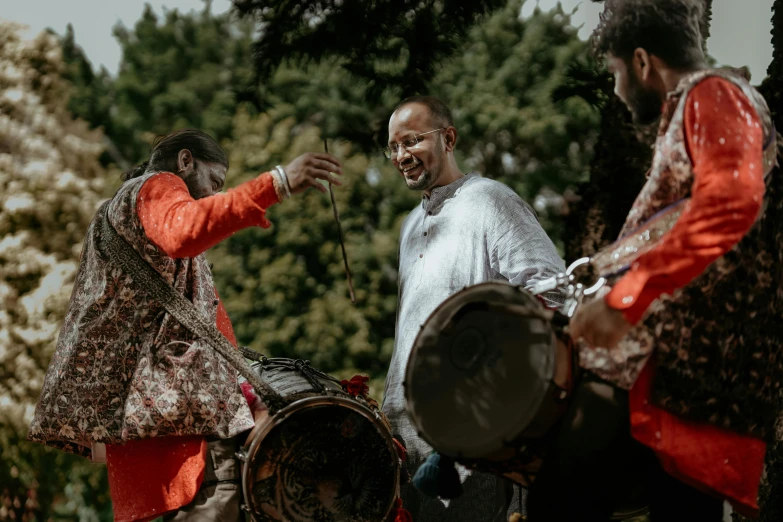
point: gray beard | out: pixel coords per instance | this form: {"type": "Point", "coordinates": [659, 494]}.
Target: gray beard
{"type": "Point", "coordinates": [422, 183]}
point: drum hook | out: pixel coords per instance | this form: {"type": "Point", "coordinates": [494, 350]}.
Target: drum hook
{"type": "Point", "coordinates": [584, 261]}
{"type": "Point", "coordinates": [576, 264]}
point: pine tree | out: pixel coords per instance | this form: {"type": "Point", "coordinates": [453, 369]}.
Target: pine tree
{"type": "Point", "coordinates": [512, 127]}
{"type": "Point", "coordinates": [391, 47]}
{"type": "Point", "coordinates": [184, 70]}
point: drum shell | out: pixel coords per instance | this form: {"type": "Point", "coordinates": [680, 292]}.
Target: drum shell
{"type": "Point", "coordinates": [303, 398]}
{"type": "Point", "coordinates": [517, 456]}
{"type": "Point", "coordinates": [521, 459]}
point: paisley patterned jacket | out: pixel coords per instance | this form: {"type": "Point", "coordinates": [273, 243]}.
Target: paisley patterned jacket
{"type": "Point", "coordinates": [123, 367]}
{"type": "Point", "coordinates": [718, 342]}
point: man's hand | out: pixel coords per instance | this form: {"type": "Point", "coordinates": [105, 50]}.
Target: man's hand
{"type": "Point", "coordinates": [305, 170]}
{"type": "Point", "coordinates": [598, 324]}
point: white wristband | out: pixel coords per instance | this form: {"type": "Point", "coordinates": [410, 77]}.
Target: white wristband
{"type": "Point", "coordinates": [280, 188]}
{"type": "Point", "coordinates": [287, 187]}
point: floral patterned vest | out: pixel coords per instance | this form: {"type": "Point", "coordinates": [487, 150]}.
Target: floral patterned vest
{"type": "Point", "coordinates": [123, 367]}
{"type": "Point", "coordinates": [718, 342]}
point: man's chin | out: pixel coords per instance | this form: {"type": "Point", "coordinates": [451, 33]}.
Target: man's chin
{"type": "Point", "coordinates": [420, 183]}
{"type": "Point", "coordinates": [644, 114]}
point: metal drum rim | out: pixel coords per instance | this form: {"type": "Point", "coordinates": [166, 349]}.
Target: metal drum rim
{"type": "Point", "coordinates": [476, 288]}
{"type": "Point", "coordinates": [251, 446]}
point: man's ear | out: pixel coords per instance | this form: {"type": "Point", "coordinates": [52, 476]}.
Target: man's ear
{"type": "Point", "coordinates": [642, 64]}
{"type": "Point", "coordinates": [450, 138]}
{"type": "Point", "coordinates": [184, 160]}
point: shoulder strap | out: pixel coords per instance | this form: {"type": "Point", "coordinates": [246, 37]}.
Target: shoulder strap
{"type": "Point", "coordinates": [145, 276]}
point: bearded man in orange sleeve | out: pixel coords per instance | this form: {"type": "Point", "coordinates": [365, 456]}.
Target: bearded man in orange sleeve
{"type": "Point", "coordinates": [127, 378]}
{"type": "Point", "coordinates": [684, 354]}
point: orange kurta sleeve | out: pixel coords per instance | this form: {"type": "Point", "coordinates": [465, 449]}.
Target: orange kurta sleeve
{"type": "Point", "coordinates": [725, 142]}
{"type": "Point", "coordinates": [185, 227]}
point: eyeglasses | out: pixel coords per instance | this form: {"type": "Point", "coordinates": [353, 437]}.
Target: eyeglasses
{"type": "Point", "coordinates": [407, 144]}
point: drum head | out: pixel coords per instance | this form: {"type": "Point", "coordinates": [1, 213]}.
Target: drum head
{"type": "Point", "coordinates": [480, 369]}
{"type": "Point", "coordinates": [322, 460]}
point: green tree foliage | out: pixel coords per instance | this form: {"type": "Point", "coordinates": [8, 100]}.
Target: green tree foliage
{"type": "Point", "coordinates": [52, 184]}
{"type": "Point", "coordinates": [500, 84]}
{"type": "Point", "coordinates": [391, 45]}
{"type": "Point", "coordinates": [617, 174]}
{"type": "Point", "coordinates": [90, 92]}
{"type": "Point", "coordinates": [512, 128]}
{"type": "Point", "coordinates": [176, 71]}
{"type": "Point", "coordinates": [285, 287]}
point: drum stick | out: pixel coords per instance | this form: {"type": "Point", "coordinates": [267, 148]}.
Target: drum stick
{"type": "Point", "coordinates": [340, 231]}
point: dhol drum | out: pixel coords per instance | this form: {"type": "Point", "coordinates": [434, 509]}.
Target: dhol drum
{"type": "Point", "coordinates": [490, 373]}
{"type": "Point", "coordinates": [326, 456]}
{"type": "Point", "coordinates": [488, 377]}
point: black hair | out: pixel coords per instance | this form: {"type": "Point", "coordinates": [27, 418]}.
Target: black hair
{"type": "Point", "coordinates": [440, 112]}
{"type": "Point", "coordinates": [668, 29]}
{"type": "Point", "coordinates": [163, 157]}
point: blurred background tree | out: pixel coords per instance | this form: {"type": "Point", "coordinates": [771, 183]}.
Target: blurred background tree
{"type": "Point", "coordinates": [52, 184]}
{"type": "Point", "coordinates": [178, 70]}
{"type": "Point", "coordinates": [501, 86]}
{"type": "Point", "coordinates": [391, 47]}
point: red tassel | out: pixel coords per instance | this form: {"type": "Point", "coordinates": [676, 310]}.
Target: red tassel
{"type": "Point", "coordinates": [399, 513]}
{"type": "Point", "coordinates": [357, 385]}
{"type": "Point", "coordinates": [401, 451]}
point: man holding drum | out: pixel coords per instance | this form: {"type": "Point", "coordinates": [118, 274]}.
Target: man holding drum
{"type": "Point", "coordinates": [691, 325]}
{"type": "Point", "coordinates": [467, 230]}
{"type": "Point", "coordinates": [127, 378]}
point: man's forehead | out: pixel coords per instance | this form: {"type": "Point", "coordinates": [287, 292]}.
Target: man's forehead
{"type": "Point", "coordinates": [408, 118]}
{"type": "Point", "coordinates": [216, 169]}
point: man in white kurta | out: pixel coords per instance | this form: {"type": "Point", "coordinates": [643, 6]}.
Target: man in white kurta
{"type": "Point", "coordinates": [467, 230]}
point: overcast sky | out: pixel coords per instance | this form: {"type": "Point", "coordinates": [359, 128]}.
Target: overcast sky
{"type": "Point", "coordinates": [740, 28]}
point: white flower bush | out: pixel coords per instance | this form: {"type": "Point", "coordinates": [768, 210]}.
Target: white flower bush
{"type": "Point", "coordinates": [51, 183]}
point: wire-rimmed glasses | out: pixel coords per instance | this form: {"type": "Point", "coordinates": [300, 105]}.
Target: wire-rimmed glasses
{"type": "Point", "coordinates": [409, 143]}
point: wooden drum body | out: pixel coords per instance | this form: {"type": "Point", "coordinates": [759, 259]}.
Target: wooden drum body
{"type": "Point", "coordinates": [487, 378]}
{"type": "Point", "coordinates": [489, 375]}
{"type": "Point", "coordinates": [327, 456]}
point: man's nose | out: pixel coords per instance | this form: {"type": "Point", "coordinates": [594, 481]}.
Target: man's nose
{"type": "Point", "coordinates": [402, 153]}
